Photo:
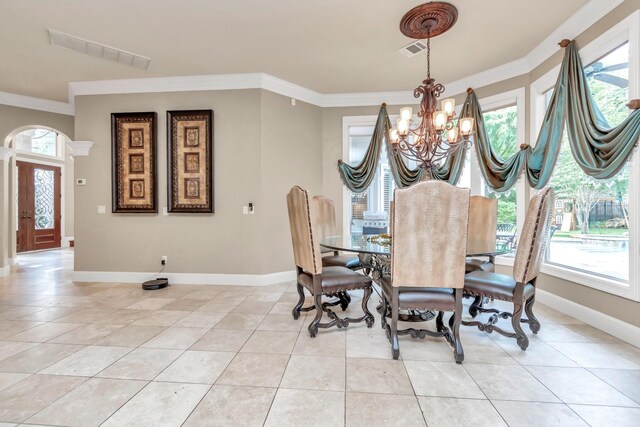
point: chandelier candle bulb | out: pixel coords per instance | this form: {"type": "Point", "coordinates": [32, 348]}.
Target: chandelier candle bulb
{"type": "Point", "coordinates": [406, 113]}
{"type": "Point", "coordinates": [466, 126]}
{"type": "Point", "coordinates": [403, 126]}
{"type": "Point", "coordinates": [393, 136]}
{"type": "Point", "coordinates": [448, 106]}
{"type": "Point", "coordinates": [440, 120]}
{"type": "Point", "coordinates": [452, 134]}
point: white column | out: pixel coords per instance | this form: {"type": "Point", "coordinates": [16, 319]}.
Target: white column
{"type": "Point", "coordinates": [5, 156]}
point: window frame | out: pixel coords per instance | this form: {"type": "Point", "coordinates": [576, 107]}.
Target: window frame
{"type": "Point", "coordinates": [347, 122]}
{"type": "Point", "coordinates": [626, 31]}
{"type": "Point", "coordinates": [60, 144]}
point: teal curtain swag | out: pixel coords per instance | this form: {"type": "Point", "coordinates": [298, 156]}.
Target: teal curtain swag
{"type": "Point", "coordinates": [599, 150]}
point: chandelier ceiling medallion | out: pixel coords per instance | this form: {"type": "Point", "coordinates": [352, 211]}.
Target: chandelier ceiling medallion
{"type": "Point", "coordinates": [437, 135]}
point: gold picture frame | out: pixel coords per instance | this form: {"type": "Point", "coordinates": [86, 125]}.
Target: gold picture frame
{"type": "Point", "coordinates": [190, 161]}
{"type": "Point", "coordinates": [133, 162]}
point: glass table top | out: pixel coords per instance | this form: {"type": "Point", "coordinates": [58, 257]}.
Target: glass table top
{"type": "Point", "coordinates": [381, 245]}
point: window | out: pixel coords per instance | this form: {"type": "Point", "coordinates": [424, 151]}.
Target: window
{"type": "Point", "coordinates": [592, 216]}
{"type": "Point", "coordinates": [43, 142]}
{"type": "Point", "coordinates": [370, 209]}
{"type": "Point", "coordinates": [502, 129]}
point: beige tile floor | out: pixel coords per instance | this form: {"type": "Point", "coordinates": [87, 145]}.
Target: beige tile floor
{"type": "Point", "coordinates": [89, 354]}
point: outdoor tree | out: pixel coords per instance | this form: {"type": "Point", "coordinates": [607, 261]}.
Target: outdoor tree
{"type": "Point", "coordinates": [501, 128]}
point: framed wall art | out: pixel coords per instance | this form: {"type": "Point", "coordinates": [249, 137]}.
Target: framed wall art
{"type": "Point", "coordinates": [133, 162]}
{"type": "Point", "coordinates": [190, 161]}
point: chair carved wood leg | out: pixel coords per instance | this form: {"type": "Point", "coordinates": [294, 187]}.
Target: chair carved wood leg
{"type": "Point", "coordinates": [369, 319]}
{"type": "Point", "coordinates": [439, 323]}
{"type": "Point", "coordinates": [298, 306]}
{"type": "Point", "coordinates": [475, 306]}
{"type": "Point", "coordinates": [313, 327]}
{"type": "Point", "coordinates": [454, 324]}
{"type": "Point", "coordinates": [395, 345]}
{"type": "Point", "coordinates": [345, 299]}
{"type": "Point", "coordinates": [532, 321]}
{"type": "Point", "coordinates": [521, 337]}
{"type": "Point", "coordinates": [383, 313]}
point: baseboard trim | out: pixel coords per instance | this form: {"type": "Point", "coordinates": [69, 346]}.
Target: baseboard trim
{"type": "Point", "coordinates": [4, 271]}
{"type": "Point", "coordinates": [185, 278]}
{"type": "Point", "coordinates": [616, 327]}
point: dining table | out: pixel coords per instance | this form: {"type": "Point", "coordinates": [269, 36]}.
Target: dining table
{"type": "Point", "coordinates": [374, 252]}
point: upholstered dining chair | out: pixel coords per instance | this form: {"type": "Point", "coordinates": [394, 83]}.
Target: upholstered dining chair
{"type": "Point", "coordinates": [318, 280]}
{"type": "Point", "coordinates": [427, 260]}
{"type": "Point", "coordinates": [520, 287]}
{"type": "Point", "coordinates": [325, 221]}
{"type": "Point", "coordinates": [481, 234]}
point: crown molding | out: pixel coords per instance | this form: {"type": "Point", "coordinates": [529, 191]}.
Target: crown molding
{"type": "Point", "coordinates": [285, 88]}
{"type": "Point", "coordinates": [575, 25]}
{"type": "Point", "coordinates": [33, 103]}
{"type": "Point", "coordinates": [585, 17]}
{"type": "Point", "coordinates": [166, 84]}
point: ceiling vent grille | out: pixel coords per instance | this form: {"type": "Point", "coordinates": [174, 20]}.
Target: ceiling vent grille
{"type": "Point", "coordinates": [98, 50]}
{"type": "Point", "coordinates": [414, 48]}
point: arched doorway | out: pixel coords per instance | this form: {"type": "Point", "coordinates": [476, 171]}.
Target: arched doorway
{"type": "Point", "coordinates": [39, 189]}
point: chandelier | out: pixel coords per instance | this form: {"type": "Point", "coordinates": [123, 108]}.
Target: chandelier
{"type": "Point", "coordinates": [437, 135]}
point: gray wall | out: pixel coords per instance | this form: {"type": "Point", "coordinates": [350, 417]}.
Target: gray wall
{"type": "Point", "coordinates": [262, 146]}
{"type": "Point", "coordinates": [291, 147]}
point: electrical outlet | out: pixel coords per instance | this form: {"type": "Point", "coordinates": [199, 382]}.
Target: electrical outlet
{"type": "Point", "coordinates": [163, 260]}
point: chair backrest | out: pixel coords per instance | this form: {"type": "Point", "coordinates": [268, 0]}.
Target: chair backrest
{"type": "Point", "coordinates": [534, 236]}
{"type": "Point", "coordinates": [429, 235]}
{"type": "Point", "coordinates": [324, 215]}
{"type": "Point", "coordinates": [306, 250]}
{"type": "Point", "coordinates": [483, 218]}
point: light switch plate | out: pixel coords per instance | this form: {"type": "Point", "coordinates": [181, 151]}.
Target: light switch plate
{"type": "Point", "coordinates": [81, 181]}
{"type": "Point", "coordinates": [101, 209]}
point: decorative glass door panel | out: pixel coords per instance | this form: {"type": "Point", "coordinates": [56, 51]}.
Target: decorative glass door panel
{"type": "Point", "coordinates": [44, 198]}
{"type": "Point", "coordinates": [38, 207]}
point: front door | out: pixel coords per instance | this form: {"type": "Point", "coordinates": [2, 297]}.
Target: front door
{"type": "Point", "coordinates": [38, 207]}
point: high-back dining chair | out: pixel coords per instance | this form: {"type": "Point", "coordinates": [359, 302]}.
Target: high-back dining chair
{"type": "Point", "coordinates": [427, 260]}
{"type": "Point", "coordinates": [325, 220]}
{"type": "Point", "coordinates": [481, 234]}
{"type": "Point", "coordinates": [520, 287]}
{"type": "Point", "coordinates": [319, 280]}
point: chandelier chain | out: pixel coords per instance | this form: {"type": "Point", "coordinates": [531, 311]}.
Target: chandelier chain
{"type": "Point", "coordinates": [428, 54]}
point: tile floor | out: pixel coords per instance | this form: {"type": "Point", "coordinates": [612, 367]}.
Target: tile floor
{"type": "Point", "coordinates": [94, 354]}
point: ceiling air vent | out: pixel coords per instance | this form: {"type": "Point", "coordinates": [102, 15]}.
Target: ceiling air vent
{"type": "Point", "coordinates": [413, 49]}
{"type": "Point", "coordinates": [98, 50]}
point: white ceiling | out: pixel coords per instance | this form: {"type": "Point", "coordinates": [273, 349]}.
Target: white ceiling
{"type": "Point", "coordinates": [330, 46]}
